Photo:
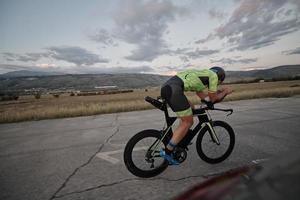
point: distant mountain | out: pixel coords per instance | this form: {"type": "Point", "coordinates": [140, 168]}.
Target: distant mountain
{"type": "Point", "coordinates": [281, 71]}
{"type": "Point", "coordinates": [27, 73]}
{"type": "Point", "coordinates": [21, 80]}
{"type": "Point", "coordinates": [276, 72]}
{"type": "Point", "coordinates": [82, 81]}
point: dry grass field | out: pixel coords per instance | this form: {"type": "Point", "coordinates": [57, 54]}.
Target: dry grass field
{"type": "Point", "coordinates": [48, 107]}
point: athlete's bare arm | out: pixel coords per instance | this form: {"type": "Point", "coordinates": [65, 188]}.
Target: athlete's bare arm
{"type": "Point", "coordinates": [201, 95]}
{"type": "Point", "coordinates": [218, 96]}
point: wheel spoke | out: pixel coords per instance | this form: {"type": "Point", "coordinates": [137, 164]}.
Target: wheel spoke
{"type": "Point", "coordinates": [140, 153]}
{"type": "Point", "coordinates": [209, 150]}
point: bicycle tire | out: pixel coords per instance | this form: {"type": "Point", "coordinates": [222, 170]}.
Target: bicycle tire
{"type": "Point", "coordinates": [204, 131]}
{"type": "Point", "coordinates": [128, 160]}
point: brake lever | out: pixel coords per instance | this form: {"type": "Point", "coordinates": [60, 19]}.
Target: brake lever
{"type": "Point", "coordinates": [225, 110]}
{"type": "Point", "coordinates": [231, 111]}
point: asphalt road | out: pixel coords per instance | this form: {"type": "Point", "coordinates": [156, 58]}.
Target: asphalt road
{"type": "Point", "coordinates": [81, 158]}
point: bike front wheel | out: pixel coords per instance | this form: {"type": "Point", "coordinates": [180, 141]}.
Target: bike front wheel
{"type": "Point", "coordinates": [210, 151]}
{"type": "Point", "coordinates": [141, 154]}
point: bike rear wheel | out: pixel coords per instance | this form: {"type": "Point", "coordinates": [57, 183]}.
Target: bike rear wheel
{"type": "Point", "coordinates": [211, 152]}
{"type": "Point", "coordinates": [141, 154]}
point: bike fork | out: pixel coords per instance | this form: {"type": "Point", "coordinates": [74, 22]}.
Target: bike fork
{"type": "Point", "coordinates": [213, 134]}
{"type": "Point", "coordinates": [211, 130]}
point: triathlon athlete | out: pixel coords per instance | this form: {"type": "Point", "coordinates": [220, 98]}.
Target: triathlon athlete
{"type": "Point", "coordinates": [173, 92]}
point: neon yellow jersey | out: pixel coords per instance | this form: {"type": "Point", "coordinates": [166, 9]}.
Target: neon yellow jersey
{"type": "Point", "coordinates": [198, 80]}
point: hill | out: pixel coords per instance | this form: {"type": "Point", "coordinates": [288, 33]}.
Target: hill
{"type": "Point", "coordinates": [284, 71]}
{"type": "Point", "coordinates": [28, 73]}
{"type": "Point", "coordinates": [81, 81]}
{"type": "Point", "coordinates": [21, 80]}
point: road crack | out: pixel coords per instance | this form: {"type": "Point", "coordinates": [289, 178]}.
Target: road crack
{"type": "Point", "coordinates": [129, 180]}
{"type": "Point", "coordinates": [115, 123]}
{"type": "Point", "coordinates": [207, 176]}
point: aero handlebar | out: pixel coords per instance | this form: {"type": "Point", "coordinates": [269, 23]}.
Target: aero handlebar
{"type": "Point", "coordinates": [210, 106]}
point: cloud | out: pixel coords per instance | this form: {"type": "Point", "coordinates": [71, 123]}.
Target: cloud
{"type": "Point", "coordinates": [7, 67]}
{"type": "Point", "coordinates": [110, 70]}
{"type": "Point", "coordinates": [297, 3]}
{"type": "Point", "coordinates": [177, 68]}
{"type": "Point", "coordinates": [143, 23]}
{"type": "Point", "coordinates": [233, 61]}
{"type": "Point", "coordinates": [24, 58]}
{"type": "Point", "coordinates": [186, 53]}
{"type": "Point", "coordinates": [216, 14]}
{"type": "Point", "coordinates": [200, 53]}
{"type": "Point", "coordinates": [103, 36]}
{"type": "Point", "coordinates": [116, 70]}
{"type": "Point", "coordinates": [185, 59]}
{"type": "Point", "coordinates": [292, 51]}
{"type": "Point", "coordinates": [39, 67]}
{"type": "Point", "coordinates": [76, 70]}
{"type": "Point", "coordinates": [76, 55]}
{"type": "Point", "coordinates": [46, 65]}
{"type": "Point", "coordinates": [255, 24]}
{"type": "Point", "coordinates": [71, 54]}
{"type": "Point", "coordinates": [9, 55]}
{"type": "Point", "coordinates": [211, 36]}
{"type": "Point", "coordinates": [148, 51]}
{"type": "Point", "coordinates": [179, 51]}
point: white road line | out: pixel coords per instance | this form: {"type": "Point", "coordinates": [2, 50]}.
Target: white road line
{"type": "Point", "coordinates": [116, 145]}
{"type": "Point", "coordinates": [257, 161]}
{"type": "Point", "coordinates": [107, 155]}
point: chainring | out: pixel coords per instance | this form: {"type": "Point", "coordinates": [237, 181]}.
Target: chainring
{"type": "Point", "coordinates": [180, 154]}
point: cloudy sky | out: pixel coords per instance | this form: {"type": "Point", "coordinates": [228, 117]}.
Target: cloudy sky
{"type": "Point", "coordinates": [157, 36]}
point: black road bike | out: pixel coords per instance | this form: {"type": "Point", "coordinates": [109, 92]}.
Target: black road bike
{"type": "Point", "coordinates": [214, 143]}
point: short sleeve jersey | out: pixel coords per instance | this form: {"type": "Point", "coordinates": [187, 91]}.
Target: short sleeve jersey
{"type": "Point", "coordinates": [198, 80]}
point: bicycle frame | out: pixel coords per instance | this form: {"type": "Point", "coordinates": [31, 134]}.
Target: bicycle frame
{"type": "Point", "coordinates": [203, 120]}
{"type": "Point", "coordinates": [167, 133]}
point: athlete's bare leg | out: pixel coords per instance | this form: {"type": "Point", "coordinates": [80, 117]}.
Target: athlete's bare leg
{"type": "Point", "coordinates": [181, 130]}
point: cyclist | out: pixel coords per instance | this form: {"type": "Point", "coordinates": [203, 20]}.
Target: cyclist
{"type": "Point", "coordinates": [173, 92]}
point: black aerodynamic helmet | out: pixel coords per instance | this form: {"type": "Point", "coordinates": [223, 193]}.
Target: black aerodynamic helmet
{"type": "Point", "coordinates": [220, 72]}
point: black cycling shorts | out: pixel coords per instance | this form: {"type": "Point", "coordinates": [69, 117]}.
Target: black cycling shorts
{"type": "Point", "coordinates": [173, 92]}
